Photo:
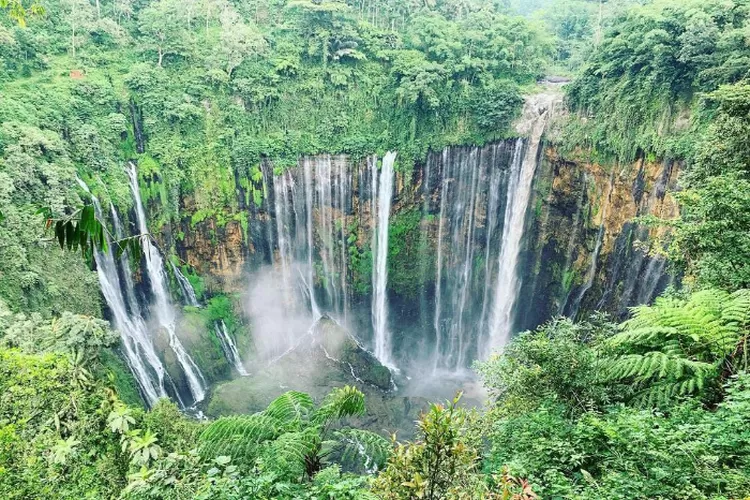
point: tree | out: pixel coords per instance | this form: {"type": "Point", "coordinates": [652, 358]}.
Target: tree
{"type": "Point", "coordinates": [557, 361]}
{"type": "Point", "coordinates": [443, 463]}
{"type": "Point", "coordinates": [237, 41]}
{"type": "Point", "coordinates": [20, 12]}
{"type": "Point", "coordinates": [164, 24]}
{"type": "Point", "coordinates": [79, 15]}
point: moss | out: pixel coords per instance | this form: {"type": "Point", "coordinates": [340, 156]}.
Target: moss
{"type": "Point", "coordinates": [360, 262]}
{"type": "Point", "coordinates": [408, 251]}
{"type": "Point", "coordinates": [204, 347]}
{"type": "Point", "coordinates": [121, 377]}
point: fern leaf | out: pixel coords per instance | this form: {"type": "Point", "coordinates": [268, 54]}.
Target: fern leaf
{"type": "Point", "coordinates": [238, 436]}
{"type": "Point", "coordinates": [342, 402]}
{"type": "Point", "coordinates": [363, 449]}
{"type": "Point", "coordinates": [290, 406]}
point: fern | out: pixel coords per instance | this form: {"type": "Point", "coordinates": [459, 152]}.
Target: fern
{"type": "Point", "coordinates": [290, 407]}
{"type": "Point", "coordinates": [362, 449]}
{"type": "Point", "coordinates": [289, 436]}
{"type": "Point", "coordinates": [340, 403]}
{"type": "Point", "coordinates": [292, 453]}
{"type": "Point", "coordinates": [238, 436]}
{"type": "Point", "coordinates": [678, 347]}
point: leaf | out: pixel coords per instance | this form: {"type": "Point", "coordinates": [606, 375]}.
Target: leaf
{"type": "Point", "coordinates": [60, 233]}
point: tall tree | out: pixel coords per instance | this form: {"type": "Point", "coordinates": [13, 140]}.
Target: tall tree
{"type": "Point", "coordinates": [165, 25]}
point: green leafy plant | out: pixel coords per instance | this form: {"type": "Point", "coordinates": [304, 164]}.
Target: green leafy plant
{"type": "Point", "coordinates": [681, 347]}
{"type": "Point", "coordinates": [443, 463]}
{"type": "Point", "coordinates": [295, 439]}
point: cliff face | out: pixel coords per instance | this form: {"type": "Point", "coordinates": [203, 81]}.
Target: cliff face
{"type": "Point", "coordinates": [584, 250]}
{"type": "Point", "coordinates": [580, 248]}
{"type": "Point", "coordinates": [218, 252]}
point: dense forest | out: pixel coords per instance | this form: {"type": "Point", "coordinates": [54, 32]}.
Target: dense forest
{"type": "Point", "coordinates": [398, 249]}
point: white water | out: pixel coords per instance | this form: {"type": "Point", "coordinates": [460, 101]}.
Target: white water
{"type": "Point", "coordinates": [163, 308]}
{"type": "Point", "coordinates": [133, 303]}
{"type": "Point", "coordinates": [230, 348]}
{"type": "Point", "coordinates": [439, 280]}
{"type": "Point", "coordinates": [310, 209]}
{"type": "Point", "coordinates": [137, 346]}
{"type": "Point", "coordinates": [310, 279]}
{"type": "Point", "coordinates": [591, 273]}
{"type": "Point", "coordinates": [536, 112]}
{"type": "Point", "coordinates": [188, 292]}
{"type": "Point", "coordinates": [496, 178]}
{"type": "Point", "coordinates": [382, 192]}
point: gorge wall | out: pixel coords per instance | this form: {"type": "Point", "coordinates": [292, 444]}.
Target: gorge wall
{"type": "Point", "coordinates": [579, 249]}
{"type": "Point", "coordinates": [430, 265]}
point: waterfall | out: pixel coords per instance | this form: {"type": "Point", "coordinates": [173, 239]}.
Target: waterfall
{"type": "Point", "coordinates": [537, 112]}
{"type": "Point", "coordinates": [163, 308]}
{"type": "Point", "coordinates": [310, 279]}
{"type": "Point", "coordinates": [472, 180]}
{"type": "Point", "coordinates": [590, 274]}
{"type": "Point", "coordinates": [310, 209]}
{"type": "Point", "coordinates": [497, 177]}
{"type": "Point", "coordinates": [457, 222]}
{"type": "Point", "coordinates": [382, 194]}
{"type": "Point", "coordinates": [137, 347]}
{"type": "Point", "coordinates": [188, 292]}
{"type": "Point", "coordinates": [126, 275]}
{"type": "Point", "coordinates": [439, 266]}
{"type": "Point", "coordinates": [229, 348]}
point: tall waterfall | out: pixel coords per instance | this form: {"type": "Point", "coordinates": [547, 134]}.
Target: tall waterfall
{"type": "Point", "coordinates": [537, 113]}
{"type": "Point", "coordinates": [137, 347]}
{"type": "Point", "coordinates": [162, 307]}
{"type": "Point", "coordinates": [471, 182]}
{"type": "Point", "coordinates": [382, 195]}
{"type": "Point", "coordinates": [311, 204]}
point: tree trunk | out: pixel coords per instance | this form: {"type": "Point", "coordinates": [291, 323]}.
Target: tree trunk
{"type": "Point", "coordinates": [161, 55]}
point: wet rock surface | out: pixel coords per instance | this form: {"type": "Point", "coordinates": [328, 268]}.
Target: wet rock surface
{"type": "Point", "coordinates": [325, 358]}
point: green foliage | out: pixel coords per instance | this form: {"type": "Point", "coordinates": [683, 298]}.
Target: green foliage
{"type": "Point", "coordinates": [207, 94]}
{"type": "Point", "coordinates": [711, 243]}
{"type": "Point", "coordinates": [538, 430]}
{"type": "Point", "coordinates": [292, 439]}
{"type": "Point", "coordinates": [555, 362]}
{"type": "Point", "coordinates": [49, 423]}
{"type": "Point", "coordinates": [649, 66]}
{"type": "Point", "coordinates": [18, 11]}
{"type": "Point", "coordinates": [443, 463]}
{"type": "Point", "coordinates": [678, 347]}
{"type": "Point", "coordinates": [409, 253]}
